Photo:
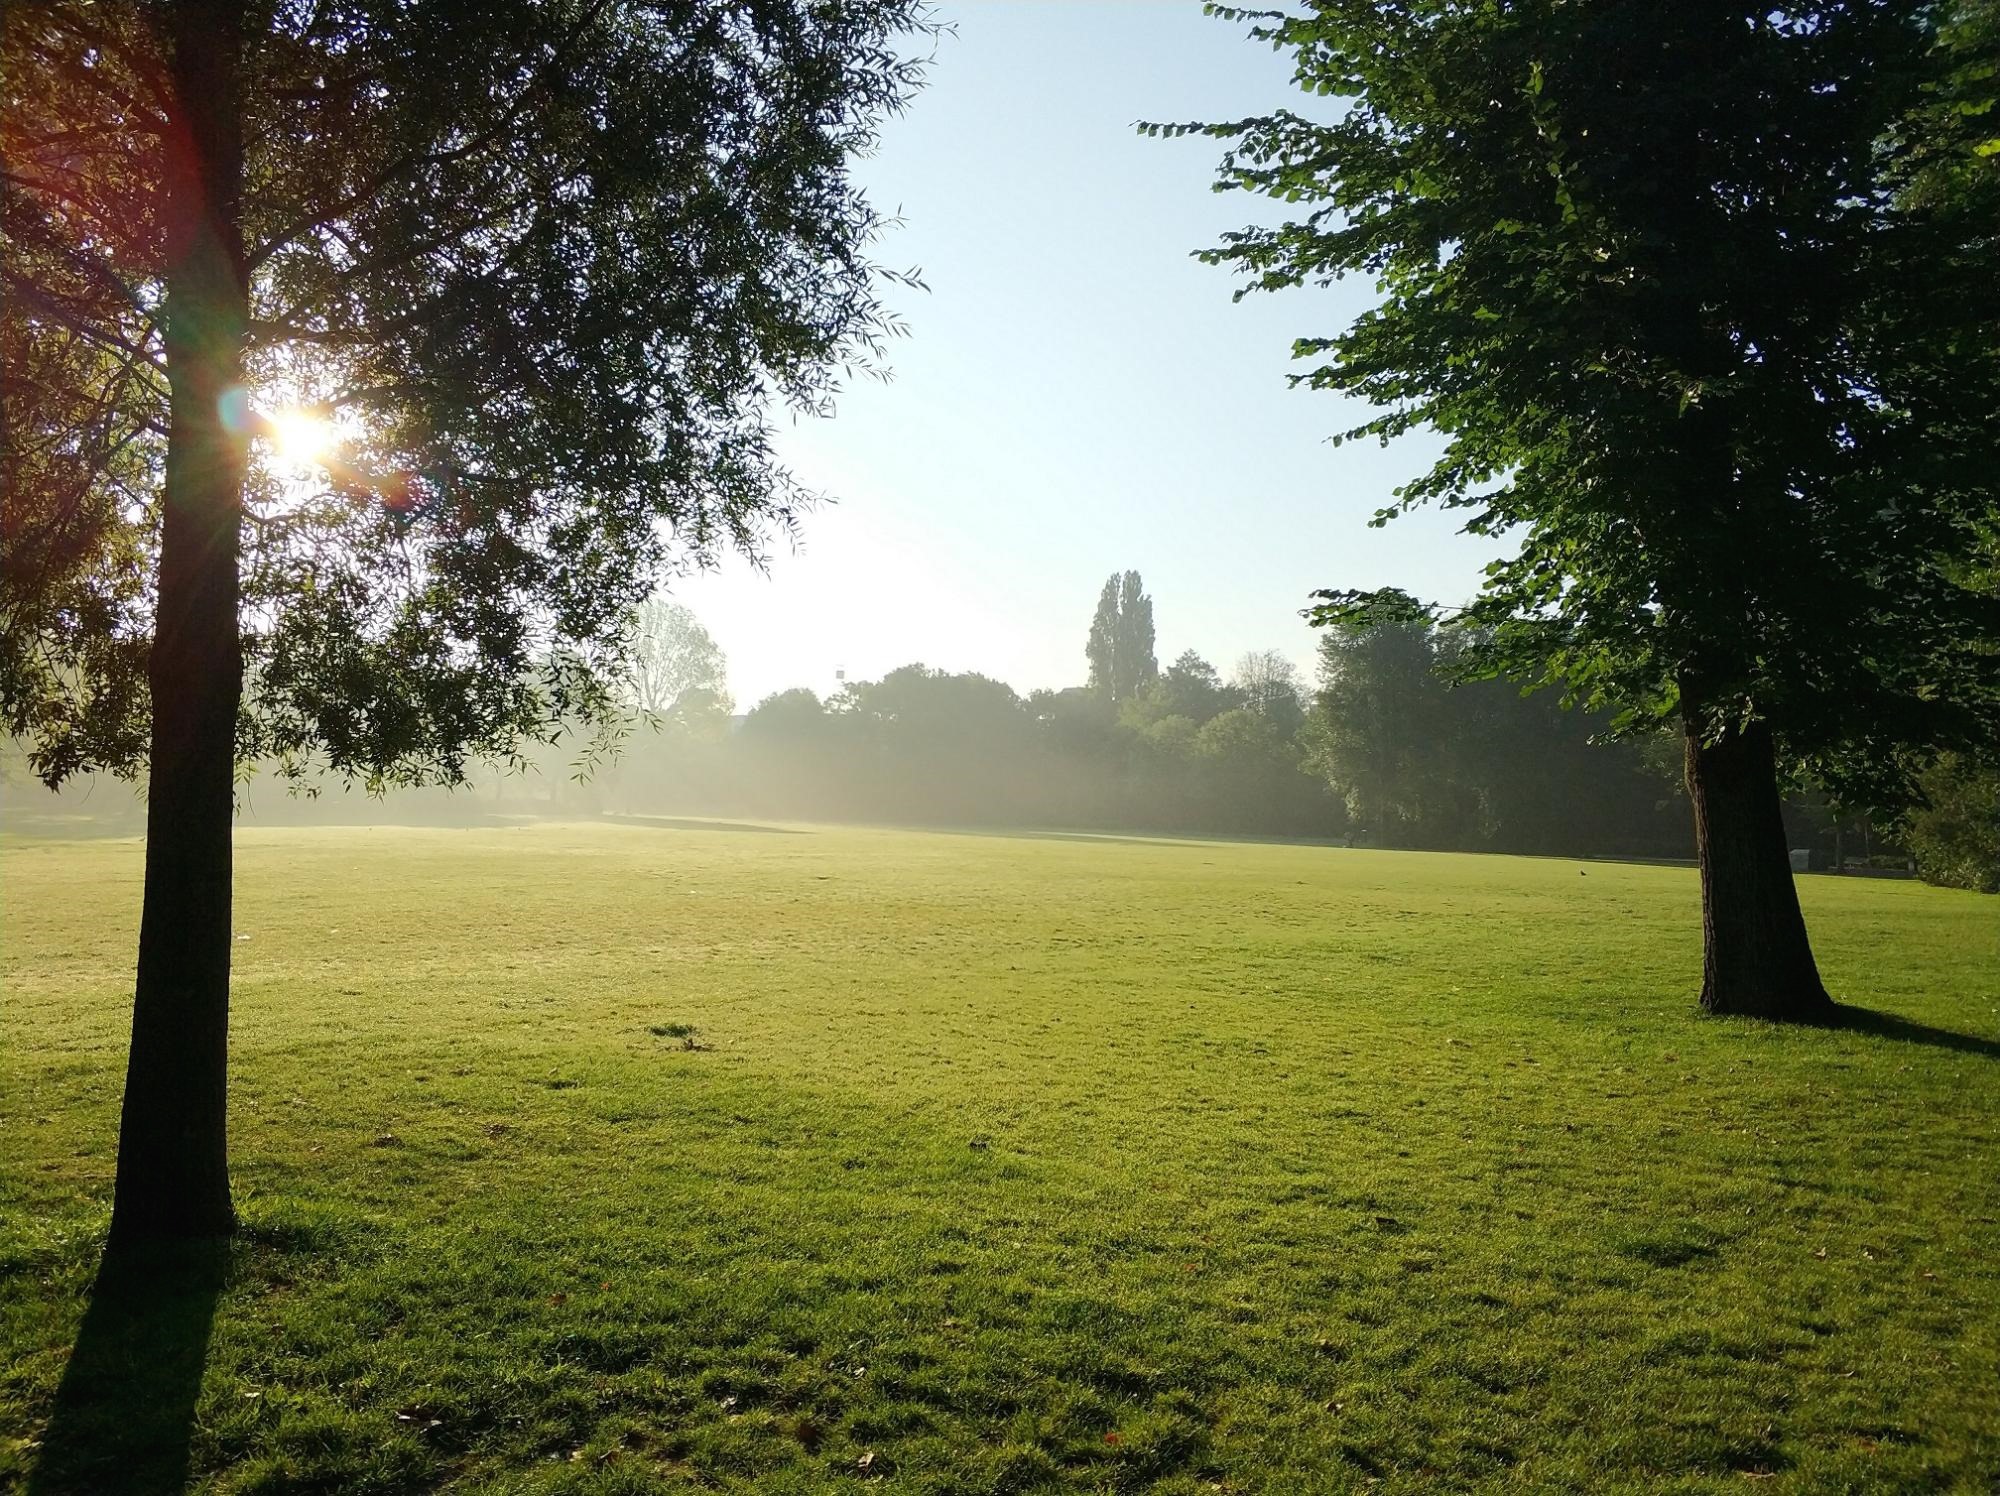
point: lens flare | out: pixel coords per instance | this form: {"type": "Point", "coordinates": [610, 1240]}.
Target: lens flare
{"type": "Point", "coordinates": [300, 436]}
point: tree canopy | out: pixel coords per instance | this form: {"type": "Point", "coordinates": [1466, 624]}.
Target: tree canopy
{"type": "Point", "coordinates": [1702, 301]}
{"type": "Point", "coordinates": [1120, 647]}
{"type": "Point", "coordinates": [540, 266]}
{"type": "Point", "coordinates": [674, 658]}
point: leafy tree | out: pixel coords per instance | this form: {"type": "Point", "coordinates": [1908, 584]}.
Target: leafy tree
{"type": "Point", "coordinates": [1953, 831]}
{"type": "Point", "coordinates": [1101, 648]}
{"type": "Point", "coordinates": [673, 655]}
{"type": "Point", "coordinates": [540, 266]}
{"type": "Point", "coordinates": [1662, 277]}
{"type": "Point", "coordinates": [795, 714]}
{"type": "Point", "coordinates": [1075, 719]}
{"type": "Point", "coordinates": [1120, 647]}
{"type": "Point", "coordinates": [944, 717]}
{"type": "Point", "coordinates": [1955, 834]}
{"type": "Point", "coordinates": [1424, 759]}
{"type": "Point", "coordinates": [1193, 688]}
{"type": "Point", "coordinates": [1380, 734]}
{"type": "Point", "coordinates": [1269, 686]}
{"type": "Point", "coordinates": [1079, 736]}
{"type": "Point", "coordinates": [1172, 740]}
{"type": "Point", "coordinates": [1544, 779]}
{"type": "Point", "coordinates": [1190, 687]}
{"type": "Point", "coordinates": [1254, 781]}
{"type": "Point", "coordinates": [701, 712]}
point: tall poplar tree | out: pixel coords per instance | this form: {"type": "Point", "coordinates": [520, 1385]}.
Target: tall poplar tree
{"type": "Point", "coordinates": [1120, 647]}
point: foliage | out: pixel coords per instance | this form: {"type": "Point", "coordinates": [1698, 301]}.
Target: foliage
{"type": "Point", "coordinates": [786, 713]}
{"type": "Point", "coordinates": [1386, 753]}
{"type": "Point", "coordinates": [1250, 762]}
{"type": "Point", "coordinates": [1120, 647]}
{"type": "Point", "coordinates": [544, 264]}
{"type": "Point", "coordinates": [1269, 686]}
{"type": "Point", "coordinates": [1189, 687]}
{"type": "Point", "coordinates": [1955, 834]}
{"type": "Point", "coordinates": [934, 747]}
{"type": "Point", "coordinates": [1706, 308]}
{"type": "Point", "coordinates": [1381, 734]}
{"type": "Point", "coordinates": [1422, 757]}
{"type": "Point", "coordinates": [674, 657]}
{"type": "Point", "coordinates": [1287, 1166]}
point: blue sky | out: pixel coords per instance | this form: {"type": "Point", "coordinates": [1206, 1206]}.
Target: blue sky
{"type": "Point", "coordinates": [1077, 394]}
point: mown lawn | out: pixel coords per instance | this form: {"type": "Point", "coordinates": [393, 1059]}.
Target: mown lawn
{"type": "Point", "coordinates": [639, 1157]}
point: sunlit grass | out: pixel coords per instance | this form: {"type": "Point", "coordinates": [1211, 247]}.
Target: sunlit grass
{"type": "Point", "coordinates": [629, 1158]}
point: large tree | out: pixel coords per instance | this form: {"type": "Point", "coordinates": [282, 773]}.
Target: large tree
{"type": "Point", "coordinates": [1120, 647]}
{"type": "Point", "coordinates": [1424, 759]}
{"type": "Point", "coordinates": [538, 267]}
{"type": "Point", "coordinates": [1269, 685]}
{"type": "Point", "coordinates": [673, 656]}
{"type": "Point", "coordinates": [1382, 734]}
{"type": "Point", "coordinates": [1190, 687]}
{"type": "Point", "coordinates": [1692, 294]}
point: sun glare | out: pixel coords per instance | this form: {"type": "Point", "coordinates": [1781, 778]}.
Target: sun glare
{"type": "Point", "coordinates": [300, 436]}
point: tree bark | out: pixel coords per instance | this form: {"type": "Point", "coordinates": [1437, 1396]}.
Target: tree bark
{"type": "Point", "coordinates": [173, 1164]}
{"type": "Point", "coordinates": [1756, 959]}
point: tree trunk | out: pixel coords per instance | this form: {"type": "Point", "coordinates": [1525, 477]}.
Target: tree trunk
{"type": "Point", "coordinates": [1755, 956]}
{"type": "Point", "coordinates": [173, 1166]}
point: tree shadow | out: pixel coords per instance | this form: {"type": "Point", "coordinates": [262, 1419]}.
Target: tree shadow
{"type": "Point", "coordinates": [38, 826]}
{"type": "Point", "coordinates": [1189, 839]}
{"type": "Point", "coordinates": [679, 823]}
{"type": "Point", "coordinates": [124, 1414]}
{"type": "Point", "coordinates": [1907, 1031]}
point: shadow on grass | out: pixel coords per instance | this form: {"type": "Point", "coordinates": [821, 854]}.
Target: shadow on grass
{"type": "Point", "coordinates": [1031, 833]}
{"type": "Point", "coordinates": [1908, 1031]}
{"type": "Point", "coordinates": [35, 826]}
{"type": "Point", "coordinates": [673, 823]}
{"type": "Point", "coordinates": [124, 1413]}
{"type": "Point", "coordinates": [1190, 839]}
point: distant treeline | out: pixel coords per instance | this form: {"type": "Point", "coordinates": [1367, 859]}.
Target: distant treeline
{"type": "Point", "coordinates": [1383, 749]}
{"type": "Point", "coordinates": [1383, 753]}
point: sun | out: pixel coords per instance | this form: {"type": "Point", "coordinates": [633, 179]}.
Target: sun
{"type": "Point", "coordinates": [301, 436]}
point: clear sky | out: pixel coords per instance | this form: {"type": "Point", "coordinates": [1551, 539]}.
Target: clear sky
{"type": "Point", "coordinates": [1077, 394]}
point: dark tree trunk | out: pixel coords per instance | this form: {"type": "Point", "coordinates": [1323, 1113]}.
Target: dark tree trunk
{"type": "Point", "coordinates": [1755, 956]}
{"type": "Point", "coordinates": [173, 1164]}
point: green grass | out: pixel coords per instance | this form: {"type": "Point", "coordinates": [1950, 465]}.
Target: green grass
{"type": "Point", "coordinates": [623, 1158]}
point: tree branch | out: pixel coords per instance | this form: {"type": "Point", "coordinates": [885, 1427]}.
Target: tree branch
{"type": "Point", "coordinates": [412, 161]}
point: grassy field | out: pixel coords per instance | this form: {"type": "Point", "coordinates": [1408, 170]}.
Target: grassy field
{"type": "Point", "coordinates": [638, 1157]}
